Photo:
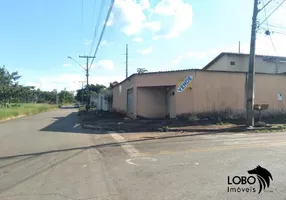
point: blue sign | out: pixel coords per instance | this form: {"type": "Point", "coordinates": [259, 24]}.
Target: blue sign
{"type": "Point", "coordinates": [185, 84]}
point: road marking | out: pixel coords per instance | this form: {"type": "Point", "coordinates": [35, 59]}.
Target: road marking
{"type": "Point", "coordinates": [129, 161]}
{"type": "Point", "coordinates": [128, 148]}
{"type": "Point", "coordinates": [76, 125]}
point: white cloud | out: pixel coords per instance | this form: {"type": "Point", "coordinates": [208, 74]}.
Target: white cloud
{"type": "Point", "coordinates": [145, 4]}
{"type": "Point", "coordinates": [133, 14]}
{"type": "Point", "coordinates": [197, 55]}
{"type": "Point", "coordinates": [182, 14]}
{"type": "Point", "coordinates": [105, 43]}
{"type": "Point", "coordinates": [177, 60]}
{"type": "Point", "coordinates": [107, 64]}
{"type": "Point", "coordinates": [93, 66]}
{"type": "Point", "coordinates": [134, 17]}
{"type": "Point", "coordinates": [146, 51]}
{"type": "Point", "coordinates": [137, 39]}
{"type": "Point", "coordinates": [109, 23]}
{"type": "Point", "coordinates": [137, 16]}
{"type": "Point", "coordinates": [110, 20]}
{"type": "Point", "coordinates": [70, 81]}
{"type": "Point", "coordinates": [67, 65]}
{"type": "Point", "coordinates": [154, 26]}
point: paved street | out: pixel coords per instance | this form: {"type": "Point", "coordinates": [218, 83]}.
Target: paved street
{"type": "Point", "coordinates": [49, 157]}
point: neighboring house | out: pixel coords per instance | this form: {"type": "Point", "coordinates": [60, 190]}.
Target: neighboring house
{"type": "Point", "coordinates": [104, 101]}
{"type": "Point", "coordinates": [159, 95]}
{"type": "Point", "coordinates": [240, 62]}
{"type": "Point", "coordinates": [94, 99]}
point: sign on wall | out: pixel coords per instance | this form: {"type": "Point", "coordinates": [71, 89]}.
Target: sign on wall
{"type": "Point", "coordinates": [280, 97]}
{"type": "Point", "coordinates": [185, 84]}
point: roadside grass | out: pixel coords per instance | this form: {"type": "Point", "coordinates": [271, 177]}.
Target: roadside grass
{"type": "Point", "coordinates": [24, 110]}
{"type": "Point", "coordinates": [274, 128]}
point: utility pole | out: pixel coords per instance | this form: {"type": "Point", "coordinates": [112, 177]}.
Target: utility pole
{"type": "Point", "coordinates": [82, 90]}
{"type": "Point", "coordinates": [87, 75]}
{"type": "Point", "coordinates": [251, 70]}
{"type": "Point", "coordinates": [126, 60]}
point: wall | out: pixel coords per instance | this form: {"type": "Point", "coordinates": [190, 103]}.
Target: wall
{"type": "Point", "coordinates": [211, 90]}
{"type": "Point", "coordinates": [102, 103]}
{"type": "Point", "coordinates": [267, 88]}
{"type": "Point", "coordinates": [215, 91]}
{"type": "Point", "coordinates": [119, 102]}
{"type": "Point", "coordinates": [151, 102]}
{"type": "Point", "coordinates": [220, 64]}
{"type": "Point", "coordinates": [242, 62]}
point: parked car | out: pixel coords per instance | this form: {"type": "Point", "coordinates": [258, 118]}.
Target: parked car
{"type": "Point", "coordinates": [76, 105]}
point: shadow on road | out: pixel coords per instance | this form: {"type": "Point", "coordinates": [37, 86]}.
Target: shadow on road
{"type": "Point", "coordinates": [99, 146]}
{"type": "Point", "coordinates": [68, 124]}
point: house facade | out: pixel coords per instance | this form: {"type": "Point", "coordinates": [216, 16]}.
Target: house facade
{"type": "Point", "coordinates": [238, 62]}
{"type": "Point", "coordinates": [172, 93]}
{"type": "Point", "coordinates": [103, 100]}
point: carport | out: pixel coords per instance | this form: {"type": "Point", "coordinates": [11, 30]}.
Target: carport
{"type": "Point", "coordinates": [156, 102]}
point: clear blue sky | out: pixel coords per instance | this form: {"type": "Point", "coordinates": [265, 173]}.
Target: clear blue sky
{"type": "Point", "coordinates": [37, 36]}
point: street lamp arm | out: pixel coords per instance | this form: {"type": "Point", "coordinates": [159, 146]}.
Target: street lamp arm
{"type": "Point", "coordinates": [76, 62]}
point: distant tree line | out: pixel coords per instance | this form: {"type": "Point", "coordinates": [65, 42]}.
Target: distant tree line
{"type": "Point", "coordinates": [12, 92]}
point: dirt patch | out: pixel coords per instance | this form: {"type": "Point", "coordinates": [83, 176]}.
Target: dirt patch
{"type": "Point", "coordinates": [115, 122]}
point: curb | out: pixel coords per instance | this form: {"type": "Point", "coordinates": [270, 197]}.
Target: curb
{"type": "Point", "coordinates": [11, 118]}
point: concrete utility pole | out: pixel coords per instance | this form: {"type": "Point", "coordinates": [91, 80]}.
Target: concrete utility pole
{"type": "Point", "coordinates": [82, 90]}
{"type": "Point", "coordinates": [251, 69]}
{"type": "Point", "coordinates": [87, 75]}
{"type": "Point", "coordinates": [126, 60]}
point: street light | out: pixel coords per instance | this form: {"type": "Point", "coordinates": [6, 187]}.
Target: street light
{"type": "Point", "coordinates": [86, 69]}
{"type": "Point", "coordinates": [76, 62]}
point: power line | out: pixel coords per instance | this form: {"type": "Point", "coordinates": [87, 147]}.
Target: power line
{"type": "Point", "coordinates": [273, 11]}
{"type": "Point", "coordinates": [279, 33]}
{"type": "Point", "coordinates": [102, 32]}
{"type": "Point", "coordinates": [281, 5]}
{"type": "Point", "coordinates": [268, 28]}
{"type": "Point", "coordinates": [96, 26]}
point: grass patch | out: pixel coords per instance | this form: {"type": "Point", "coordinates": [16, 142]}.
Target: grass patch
{"type": "Point", "coordinates": [274, 128]}
{"type": "Point", "coordinates": [24, 109]}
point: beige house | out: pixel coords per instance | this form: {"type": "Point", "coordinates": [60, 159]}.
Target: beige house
{"type": "Point", "coordinates": [172, 93]}
{"type": "Point", "coordinates": [239, 62]}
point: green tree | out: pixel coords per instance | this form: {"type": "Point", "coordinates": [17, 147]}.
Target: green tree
{"type": "Point", "coordinates": [8, 85]}
{"type": "Point", "coordinates": [141, 70]}
{"type": "Point", "coordinates": [66, 97]}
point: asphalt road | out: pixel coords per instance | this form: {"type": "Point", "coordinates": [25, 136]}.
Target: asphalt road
{"type": "Point", "coordinates": [49, 157]}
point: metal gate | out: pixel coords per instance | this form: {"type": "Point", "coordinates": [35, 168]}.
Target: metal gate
{"type": "Point", "coordinates": [130, 101]}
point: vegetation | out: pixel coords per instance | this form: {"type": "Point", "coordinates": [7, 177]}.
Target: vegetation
{"type": "Point", "coordinates": [141, 70]}
{"type": "Point", "coordinates": [15, 110]}
{"type": "Point", "coordinates": [81, 94]}
{"type": "Point", "coordinates": [12, 92]}
{"type": "Point", "coordinates": [16, 99]}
